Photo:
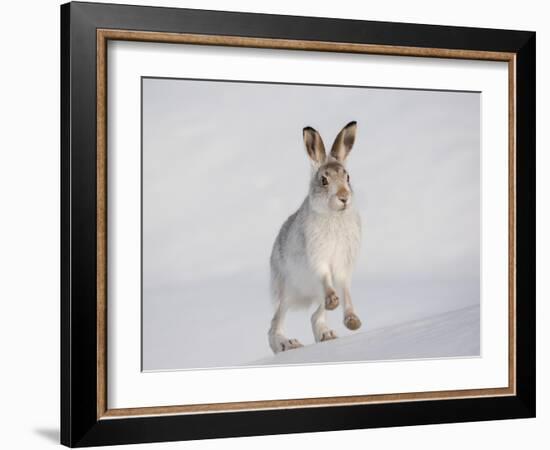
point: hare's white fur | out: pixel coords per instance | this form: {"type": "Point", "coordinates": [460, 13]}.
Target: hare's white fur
{"type": "Point", "coordinates": [314, 253]}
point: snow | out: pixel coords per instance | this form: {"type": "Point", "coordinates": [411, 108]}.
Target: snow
{"type": "Point", "coordinates": [409, 320]}
{"type": "Point", "coordinates": [451, 334]}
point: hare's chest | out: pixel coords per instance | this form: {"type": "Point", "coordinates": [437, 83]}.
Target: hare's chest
{"type": "Point", "coordinates": [333, 242]}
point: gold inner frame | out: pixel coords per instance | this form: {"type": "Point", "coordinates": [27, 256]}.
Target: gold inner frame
{"type": "Point", "coordinates": [104, 35]}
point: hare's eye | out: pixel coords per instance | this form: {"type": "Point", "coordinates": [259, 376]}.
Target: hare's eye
{"type": "Point", "coordinates": [348, 178]}
{"type": "Point", "coordinates": [324, 181]}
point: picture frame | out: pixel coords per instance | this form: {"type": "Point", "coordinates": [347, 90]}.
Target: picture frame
{"type": "Point", "coordinates": [86, 418]}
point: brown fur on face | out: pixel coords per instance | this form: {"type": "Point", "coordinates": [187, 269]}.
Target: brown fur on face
{"type": "Point", "coordinates": [330, 186]}
{"type": "Point", "coordinates": [343, 193]}
{"type": "Point", "coordinates": [334, 167]}
{"type": "Point", "coordinates": [335, 173]}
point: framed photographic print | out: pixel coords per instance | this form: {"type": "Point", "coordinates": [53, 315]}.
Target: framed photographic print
{"type": "Point", "coordinates": [277, 224]}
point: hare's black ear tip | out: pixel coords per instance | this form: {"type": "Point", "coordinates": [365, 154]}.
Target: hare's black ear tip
{"type": "Point", "coordinates": [353, 123]}
{"type": "Point", "coordinates": [308, 129]}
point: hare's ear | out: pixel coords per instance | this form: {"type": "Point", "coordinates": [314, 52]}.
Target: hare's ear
{"type": "Point", "coordinates": [344, 142]}
{"type": "Point", "coordinates": [314, 146]}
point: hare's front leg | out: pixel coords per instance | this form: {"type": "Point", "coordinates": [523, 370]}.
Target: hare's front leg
{"type": "Point", "coordinates": [321, 331]}
{"type": "Point", "coordinates": [351, 320]}
{"type": "Point", "coordinates": [331, 299]}
{"type": "Point", "coordinates": [277, 339]}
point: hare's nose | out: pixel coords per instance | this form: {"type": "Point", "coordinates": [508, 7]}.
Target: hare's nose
{"type": "Point", "coordinates": [343, 195]}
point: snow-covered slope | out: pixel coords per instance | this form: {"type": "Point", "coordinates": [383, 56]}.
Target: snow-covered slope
{"type": "Point", "coordinates": [452, 334]}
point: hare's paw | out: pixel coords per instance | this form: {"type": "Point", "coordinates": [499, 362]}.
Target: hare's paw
{"type": "Point", "coordinates": [281, 343]}
{"type": "Point", "coordinates": [328, 335]}
{"type": "Point", "coordinates": [331, 301]}
{"type": "Point", "coordinates": [289, 344]}
{"type": "Point", "coordinates": [352, 322]}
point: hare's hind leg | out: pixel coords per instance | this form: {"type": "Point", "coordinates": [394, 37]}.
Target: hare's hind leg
{"type": "Point", "coordinates": [321, 331]}
{"type": "Point", "coordinates": [277, 339]}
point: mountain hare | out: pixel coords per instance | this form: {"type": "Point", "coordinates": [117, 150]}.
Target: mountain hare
{"type": "Point", "coordinates": [314, 252]}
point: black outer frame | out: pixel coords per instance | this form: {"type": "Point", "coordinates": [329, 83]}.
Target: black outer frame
{"type": "Point", "coordinates": [79, 424]}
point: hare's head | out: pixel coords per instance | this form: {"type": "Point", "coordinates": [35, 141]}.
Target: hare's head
{"type": "Point", "coordinates": [330, 188]}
